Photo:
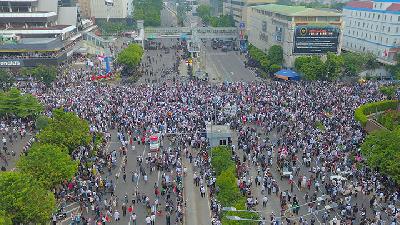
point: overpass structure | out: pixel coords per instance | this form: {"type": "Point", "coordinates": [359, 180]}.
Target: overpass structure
{"type": "Point", "coordinates": [199, 32]}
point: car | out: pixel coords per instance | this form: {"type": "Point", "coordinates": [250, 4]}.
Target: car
{"type": "Point", "coordinates": [286, 171]}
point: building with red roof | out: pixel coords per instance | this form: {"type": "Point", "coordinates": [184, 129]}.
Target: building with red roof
{"type": "Point", "coordinates": [373, 26]}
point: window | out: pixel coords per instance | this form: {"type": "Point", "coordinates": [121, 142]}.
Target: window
{"type": "Point", "coordinates": [398, 18]}
{"type": "Point", "coordinates": [397, 29]}
{"type": "Point", "coordinates": [379, 16]}
{"type": "Point", "coordinates": [264, 26]}
{"type": "Point", "coordinates": [388, 29]}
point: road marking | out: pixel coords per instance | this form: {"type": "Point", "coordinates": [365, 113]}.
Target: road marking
{"type": "Point", "coordinates": [158, 177]}
{"type": "Point", "coordinates": [137, 183]}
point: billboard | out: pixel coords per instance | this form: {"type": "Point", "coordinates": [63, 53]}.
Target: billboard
{"type": "Point", "coordinates": [109, 2]}
{"type": "Point", "coordinates": [310, 39]}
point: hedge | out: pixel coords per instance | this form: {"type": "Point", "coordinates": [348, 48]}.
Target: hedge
{"type": "Point", "coordinates": [362, 112]}
{"type": "Point", "coordinates": [229, 194]}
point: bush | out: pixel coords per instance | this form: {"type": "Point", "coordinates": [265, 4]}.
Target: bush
{"type": "Point", "coordinates": [362, 112]}
{"type": "Point", "coordinates": [389, 119]}
{"type": "Point", "coordinates": [229, 194]}
{"type": "Point", "coordinates": [221, 159]}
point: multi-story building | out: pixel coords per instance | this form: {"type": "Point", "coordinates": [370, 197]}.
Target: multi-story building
{"type": "Point", "coordinates": [117, 10]}
{"type": "Point", "coordinates": [374, 27]}
{"type": "Point", "coordinates": [84, 8]}
{"type": "Point", "coordinates": [299, 30]}
{"type": "Point", "coordinates": [36, 32]}
{"type": "Point", "coordinates": [238, 8]}
{"type": "Point", "coordinates": [103, 9]}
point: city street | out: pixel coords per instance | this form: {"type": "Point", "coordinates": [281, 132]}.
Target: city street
{"type": "Point", "coordinates": [226, 66]}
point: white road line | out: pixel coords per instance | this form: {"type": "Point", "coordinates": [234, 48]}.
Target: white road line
{"type": "Point", "coordinates": [137, 183]}
{"type": "Point", "coordinates": [158, 177]}
{"type": "Point", "coordinates": [316, 216]}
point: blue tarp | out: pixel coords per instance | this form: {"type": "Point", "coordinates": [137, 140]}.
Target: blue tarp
{"type": "Point", "coordinates": [287, 74]}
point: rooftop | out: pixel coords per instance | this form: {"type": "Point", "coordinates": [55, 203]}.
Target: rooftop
{"type": "Point", "coordinates": [295, 10]}
{"type": "Point", "coordinates": [395, 7]}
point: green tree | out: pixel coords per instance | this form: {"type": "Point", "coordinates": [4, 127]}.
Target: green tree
{"type": "Point", "coordinates": [5, 219]}
{"type": "Point", "coordinates": [130, 56]}
{"type": "Point", "coordinates": [354, 63]}
{"type": "Point", "coordinates": [6, 80]}
{"type": "Point", "coordinates": [333, 66]}
{"type": "Point", "coordinates": [274, 68]}
{"type": "Point", "coordinates": [42, 122]}
{"type": "Point", "coordinates": [65, 129]}
{"type": "Point", "coordinates": [381, 149]}
{"type": "Point", "coordinates": [311, 67]}
{"type": "Point", "coordinates": [149, 11]}
{"type": "Point", "coordinates": [48, 164]}
{"type": "Point", "coordinates": [24, 199]}
{"type": "Point", "coordinates": [275, 54]}
{"type": "Point", "coordinates": [389, 91]}
{"type": "Point", "coordinates": [14, 103]}
{"type": "Point", "coordinates": [42, 73]}
{"type": "Point", "coordinates": [221, 159]}
{"type": "Point", "coordinates": [203, 11]}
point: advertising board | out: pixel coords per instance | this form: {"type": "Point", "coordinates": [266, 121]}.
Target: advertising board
{"type": "Point", "coordinates": [310, 39]}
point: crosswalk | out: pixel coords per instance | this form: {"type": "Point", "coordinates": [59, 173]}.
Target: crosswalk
{"type": "Point", "coordinates": [70, 209]}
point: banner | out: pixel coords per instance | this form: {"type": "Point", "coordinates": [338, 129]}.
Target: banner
{"type": "Point", "coordinates": [310, 39]}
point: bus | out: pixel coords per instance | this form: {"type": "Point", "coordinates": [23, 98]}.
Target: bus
{"type": "Point", "coordinates": [155, 143]}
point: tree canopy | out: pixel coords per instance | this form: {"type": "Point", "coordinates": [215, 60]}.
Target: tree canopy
{"type": "Point", "coordinates": [24, 199]}
{"type": "Point", "coordinates": [311, 67]}
{"type": "Point", "coordinates": [149, 11]}
{"type": "Point", "coordinates": [65, 129]}
{"type": "Point", "coordinates": [6, 79]}
{"type": "Point", "coordinates": [275, 54]}
{"type": "Point", "coordinates": [203, 11]}
{"type": "Point", "coordinates": [381, 148]}
{"type": "Point", "coordinates": [48, 164]}
{"type": "Point", "coordinates": [130, 56]}
{"type": "Point", "coordinates": [42, 73]}
{"type": "Point", "coordinates": [14, 103]}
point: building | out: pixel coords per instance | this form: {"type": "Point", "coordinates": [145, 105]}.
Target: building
{"type": "Point", "coordinates": [115, 9]}
{"type": "Point", "coordinates": [84, 8]}
{"type": "Point", "coordinates": [299, 30]}
{"type": "Point", "coordinates": [373, 26]}
{"type": "Point", "coordinates": [105, 9]}
{"type": "Point", "coordinates": [218, 135]}
{"type": "Point", "coordinates": [36, 32]}
{"type": "Point", "coordinates": [216, 6]}
{"type": "Point", "coordinates": [238, 8]}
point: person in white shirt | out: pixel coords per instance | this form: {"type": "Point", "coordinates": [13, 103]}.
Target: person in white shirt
{"type": "Point", "coordinates": [116, 216]}
{"type": "Point", "coordinates": [148, 220]}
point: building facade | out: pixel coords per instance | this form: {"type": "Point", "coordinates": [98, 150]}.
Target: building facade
{"type": "Point", "coordinates": [373, 27]}
{"type": "Point", "coordinates": [238, 8]}
{"type": "Point", "coordinates": [115, 9]}
{"type": "Point", "coordinates": [36, 31]}
{"type": "Point", "coordinates": [297, 29]}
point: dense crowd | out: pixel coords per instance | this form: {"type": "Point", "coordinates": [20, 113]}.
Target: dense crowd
{"type": "Point", "coordinates": [316, 138]}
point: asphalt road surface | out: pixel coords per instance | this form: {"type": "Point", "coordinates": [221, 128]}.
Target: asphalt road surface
{"type": "Point", "coordinates": [226, 66]}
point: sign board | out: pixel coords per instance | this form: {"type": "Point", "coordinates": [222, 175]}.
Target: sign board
{"type": "Point", "coordinates": [310, 39]}
{"type": "Point", "coordinates": [10, 63]}
{"type": "Point", "coordinates": [241, 25]}
{"type": "Point", "coordinates": [109, 2]}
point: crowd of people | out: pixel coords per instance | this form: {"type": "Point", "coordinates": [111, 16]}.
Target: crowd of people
{"type": "Point", "coordinates": [303, 132]}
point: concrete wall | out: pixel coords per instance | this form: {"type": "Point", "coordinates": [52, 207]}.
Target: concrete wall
{"type": "Point", "coordinates": [67, 16]}
{"type": "Point", "coordinates": [264, 39]}
{"type": "Point", "coordinates": [99, 10]}
{"type": "Point", "coordinates": [47, 5]}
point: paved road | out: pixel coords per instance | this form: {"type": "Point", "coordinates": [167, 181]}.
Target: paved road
{"type": "Point", "coordinates": [226, 66]}
{"type": "Point", "coordinates": [168, 18]}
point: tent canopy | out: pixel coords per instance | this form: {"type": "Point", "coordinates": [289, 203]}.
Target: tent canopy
{"type": "Point", "coordinates": [287, 74]}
